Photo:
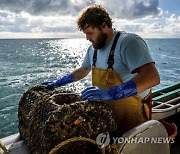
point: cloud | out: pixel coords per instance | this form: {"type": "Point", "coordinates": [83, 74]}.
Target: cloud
{"type": "Point", "coordinates": [119, 8]}
{"type": "Point", "coordinates": [51, 18]}
{"type": "Point", "coordinates": [132, 27]}
{"type": "Point", "coordinates": [133, 9]}
{"type": "Point", "coordinates": [10, 22]}
{"type": "Point", "coordinates": [45, 7]}
{"type": "Point", "coordinates": [24, 22]}
{"type": "Point", "coordinates": [156, 27]}
{"type": "Point", "coordinates": [173, 24]}
{"type": "Point", "coordinates": [174, 19]}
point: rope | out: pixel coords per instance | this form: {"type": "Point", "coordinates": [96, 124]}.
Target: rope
{"type": "Point", "coordinates": [74, 139]}
{"type": "Point", "coordinates": [110, 149]}
{"type": "Point", "coordinates": [2, 146]}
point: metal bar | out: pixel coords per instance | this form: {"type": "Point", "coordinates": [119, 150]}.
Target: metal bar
{"type": "Point", "coordinates": [166, 89]}
{"type": "Point", "coordinates": [166, 95]}
{"type": "Point", "coordinates": [172, 107]}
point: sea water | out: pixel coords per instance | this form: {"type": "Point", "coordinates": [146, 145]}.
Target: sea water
{"type": "Point", "coordinates": [28, 62]}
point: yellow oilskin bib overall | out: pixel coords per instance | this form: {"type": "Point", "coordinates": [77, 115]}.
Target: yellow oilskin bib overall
{"type": "Point", "coordinates": [128, 112]}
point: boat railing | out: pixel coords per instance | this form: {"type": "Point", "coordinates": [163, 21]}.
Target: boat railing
{"type": "Point", "coordinates": [166, 102]}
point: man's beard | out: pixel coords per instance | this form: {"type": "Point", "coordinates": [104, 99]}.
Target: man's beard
{"type": "Point", "coordinates": [101, 41]}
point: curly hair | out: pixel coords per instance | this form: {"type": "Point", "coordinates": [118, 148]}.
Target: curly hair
{"type": "Point", "coordinates": [94, 16]}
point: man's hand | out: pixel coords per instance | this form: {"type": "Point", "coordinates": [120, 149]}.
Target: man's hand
{"type": "Point", "coordinates": [95, 93]}
{"type": "Point", "coordinates": [115, 93]}
{"type": "Point", "coordinates": [68, 78]}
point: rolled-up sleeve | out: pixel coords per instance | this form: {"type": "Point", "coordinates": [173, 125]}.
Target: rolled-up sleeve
{"type": "Point", "coordinates": [86, 62]}
{"type": "Point", "coordinates": [136, 54]}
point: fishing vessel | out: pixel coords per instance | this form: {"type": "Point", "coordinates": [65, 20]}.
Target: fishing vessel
{"type": "Point", "coordinates": [159, 135]}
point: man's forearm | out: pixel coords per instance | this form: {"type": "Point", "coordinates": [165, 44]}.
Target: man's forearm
{"type": "Point", "coordinates": [80, 73]}
{"type": "Point", "coordinates": [147, 77]}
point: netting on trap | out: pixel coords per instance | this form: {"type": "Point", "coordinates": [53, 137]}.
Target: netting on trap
{"type": "Point", "coordinates": [48, 117]}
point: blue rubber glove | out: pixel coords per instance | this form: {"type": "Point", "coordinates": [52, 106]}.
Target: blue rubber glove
{"type": "Point", "coordinates": [121, 91]}
{"type": "Point", "coordinates": [68, 78]}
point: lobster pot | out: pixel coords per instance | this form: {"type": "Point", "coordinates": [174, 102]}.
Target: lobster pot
{"type": "Point", "coordinates": [48, 117]}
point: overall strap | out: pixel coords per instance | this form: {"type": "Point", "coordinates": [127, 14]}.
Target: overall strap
{"type": "Point", "coordinates": [111, 54]}
{"type": "Point", "coordinates": [94, 58]}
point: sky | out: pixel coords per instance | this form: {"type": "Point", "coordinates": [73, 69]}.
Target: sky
{"type": "Point", "coordinates": [57, 18]}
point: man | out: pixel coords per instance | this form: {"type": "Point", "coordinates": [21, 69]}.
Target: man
{"type": "Point", "coordinates": [122, 69]}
